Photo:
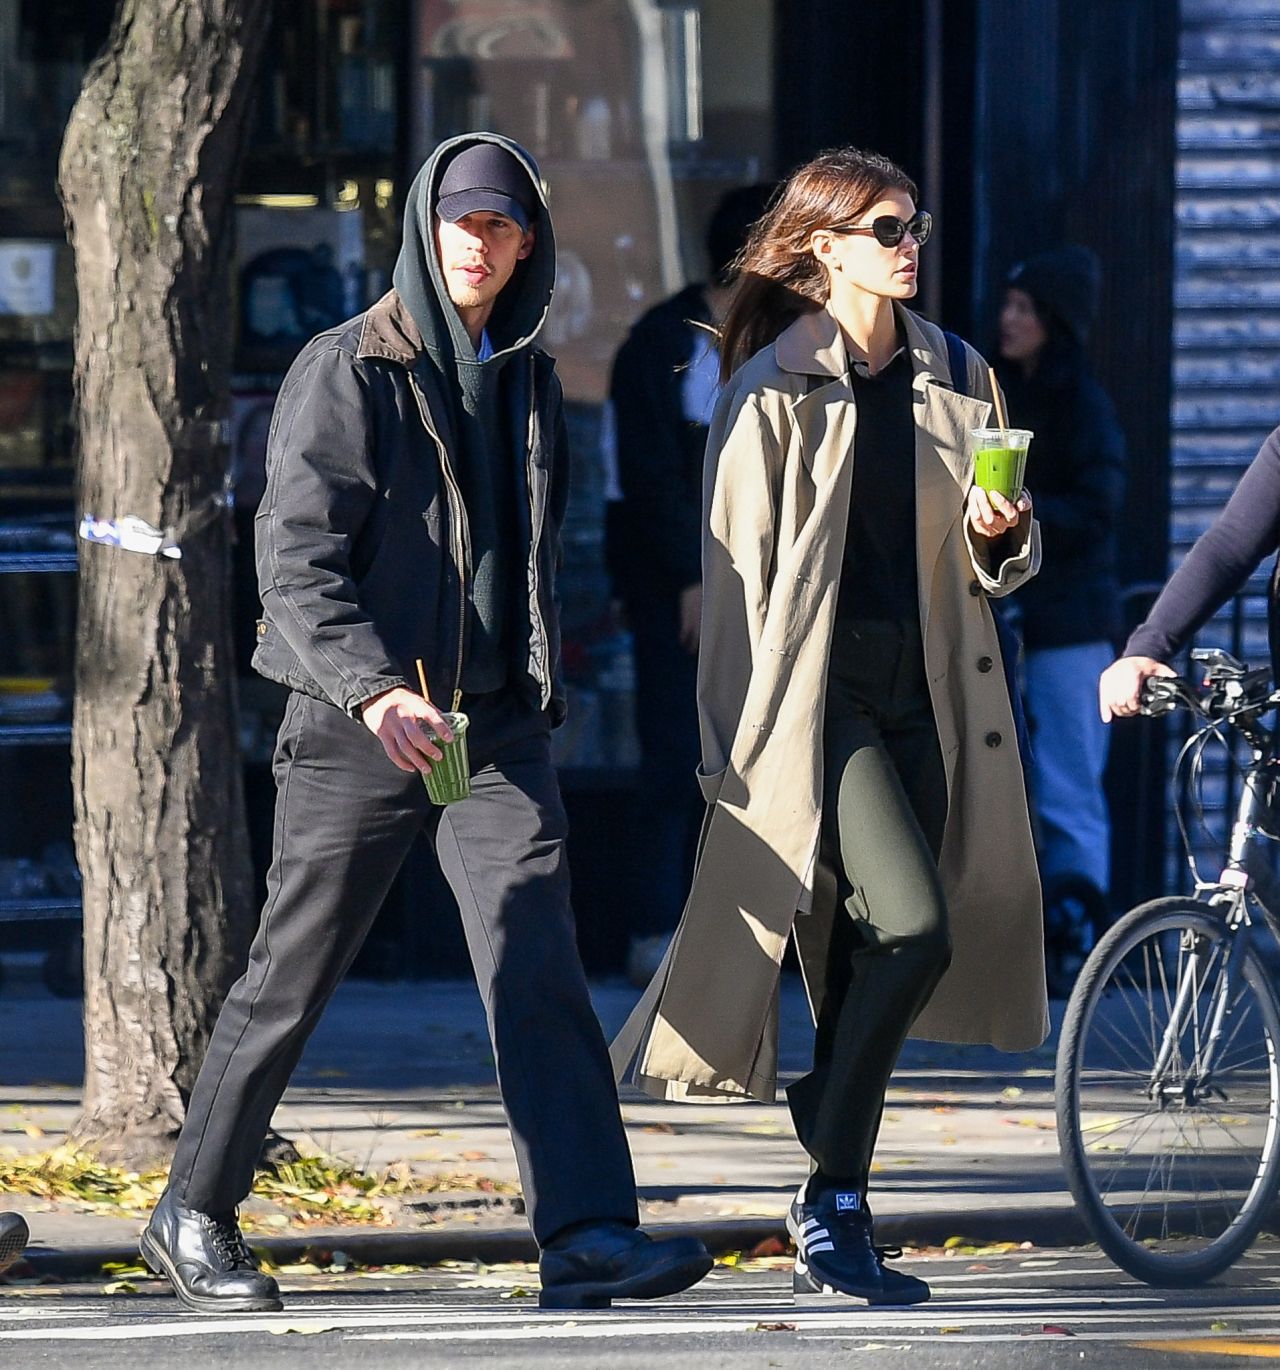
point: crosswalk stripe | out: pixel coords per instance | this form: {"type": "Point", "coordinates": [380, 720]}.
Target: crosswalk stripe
{"type": "Point", "coordinates": [983, 1321]}
{"type": "Point", "coordinates": [1258, 1350]}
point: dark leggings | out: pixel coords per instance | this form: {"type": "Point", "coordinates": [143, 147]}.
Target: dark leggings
{"type": "Point", "coordinates": [884, 807]}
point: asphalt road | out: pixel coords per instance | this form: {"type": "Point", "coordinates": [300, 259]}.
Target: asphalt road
{"type": "Point", "coordinates": [1028, 1308]}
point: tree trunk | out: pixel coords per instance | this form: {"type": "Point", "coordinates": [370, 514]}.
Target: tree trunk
{"type": "Point", "coordinates": [147, 176]}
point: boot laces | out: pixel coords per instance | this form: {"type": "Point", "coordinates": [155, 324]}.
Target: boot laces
{"type": "Point", "coordinates": [229, 1242]}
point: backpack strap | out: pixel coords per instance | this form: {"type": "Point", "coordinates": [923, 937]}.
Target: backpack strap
{"type": "Point", "coordinates": [958, 361]}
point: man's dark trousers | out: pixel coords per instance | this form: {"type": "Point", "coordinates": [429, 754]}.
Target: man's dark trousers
{"type": "Point", "coordinates": [345, 819]}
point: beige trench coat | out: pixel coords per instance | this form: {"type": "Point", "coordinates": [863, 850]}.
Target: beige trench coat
{"type": "Point", "coordinates": [778, 477]}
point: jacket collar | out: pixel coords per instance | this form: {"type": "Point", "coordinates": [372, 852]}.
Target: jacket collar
{"type": "Point", "coordinates": [814, 346]}
{"type": "Point", "coordinates": [388, 331]}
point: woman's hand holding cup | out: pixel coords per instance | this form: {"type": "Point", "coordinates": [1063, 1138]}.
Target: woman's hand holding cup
{"type": "Point", "coordinates": [991, 514]}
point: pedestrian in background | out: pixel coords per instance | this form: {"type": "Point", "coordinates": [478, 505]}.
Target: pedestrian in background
{"type": "Point", "coordinates": [1070, 613]}
{"type": "Point", "coordinates": [664, 387]}
{"type": "Point", "coordinates": [858, 743]}
{"type": "Point", "coordinates": [417, 477]}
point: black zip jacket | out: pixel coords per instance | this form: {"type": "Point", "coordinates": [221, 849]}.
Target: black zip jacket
{"type": "Point", "coordinates": [362, 542]}
{"type": "Point", "coordinates": [655, 531]}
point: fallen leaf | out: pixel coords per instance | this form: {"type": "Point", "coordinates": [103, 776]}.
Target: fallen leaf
{"type": "Point", "coordinates": [771, 1246]}
{"type": "Point", "coordinates": [303, 1329]}
{"type": "Point", "coordinates": [1219, 1326]}
{"type": "Point", "coordinates": [1012, 1092]}
{"type": "Point", "coordinates": [120, 1287]}
{"type": "Point", "coordinates": [774, 1327]}
{"type": "Point", "coordinates": [1053, 1330]}
{"type": "Point", "coordinates": [476, 1156]}
{"type": "Point", "coordinates": [665, 1129]}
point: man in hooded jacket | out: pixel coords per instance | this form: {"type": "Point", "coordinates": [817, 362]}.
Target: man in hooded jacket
{"type": "Point", "coordinates": [416, 483]}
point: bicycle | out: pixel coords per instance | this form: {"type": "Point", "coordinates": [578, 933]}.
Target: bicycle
{"type": "Point", "coordinates": [1168, 1068]}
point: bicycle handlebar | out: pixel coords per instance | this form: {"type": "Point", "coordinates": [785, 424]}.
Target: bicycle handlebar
{"type": "Point", "coordinates": [1223, 699]}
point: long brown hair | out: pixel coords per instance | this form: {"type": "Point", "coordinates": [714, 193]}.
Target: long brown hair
{"type": "Point", "coordinates": [778, 277]}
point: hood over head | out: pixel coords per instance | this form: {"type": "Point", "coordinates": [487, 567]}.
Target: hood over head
{"type": "Point", "coordinates": [520, 310]}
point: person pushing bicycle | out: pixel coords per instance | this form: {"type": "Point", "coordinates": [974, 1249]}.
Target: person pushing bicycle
{"type": "Point", "coordinates": [1223, 558]}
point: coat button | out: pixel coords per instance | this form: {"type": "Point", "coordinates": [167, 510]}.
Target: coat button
{"type": "Point", "coordinates": [975, 589]}
{"type": "Point", "coordinates": [985, 664]}
{"type": "Point", "coordinates": [994, 739]}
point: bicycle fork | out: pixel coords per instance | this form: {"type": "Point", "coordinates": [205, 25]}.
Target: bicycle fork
{"type": "Point", "coordinates": [1192, 973]}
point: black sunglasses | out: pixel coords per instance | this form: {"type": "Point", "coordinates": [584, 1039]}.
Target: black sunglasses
{"type": "Point", "coordinates": [889, 230]}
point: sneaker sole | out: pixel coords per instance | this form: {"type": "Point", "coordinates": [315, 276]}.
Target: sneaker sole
{"type": "Point", "coordinates": [12, 1244]}
{"type": "Point", "coordinates": [653, 1284]}
{"type": "Point", "coordinates": [159, 1263]}
{"type": "Point", "coordinates": [810, 1288]}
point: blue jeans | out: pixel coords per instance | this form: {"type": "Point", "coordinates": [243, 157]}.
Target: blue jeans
{"type": "Point", "coordinates": [1069, 755]}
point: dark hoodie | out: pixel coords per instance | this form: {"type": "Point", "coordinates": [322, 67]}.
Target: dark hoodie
{"type": "Point", "coordinates": [487, 400]}
{"type": "Point", "coordinates": [363, 533]}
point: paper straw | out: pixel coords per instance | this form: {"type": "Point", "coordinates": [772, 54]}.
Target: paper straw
{"type": "Point", "coordinates": [422, 679]}
{"type": "Point", "coordinates": [1001, 419]}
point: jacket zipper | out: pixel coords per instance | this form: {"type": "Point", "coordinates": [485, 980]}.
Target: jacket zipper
{"type": "Point", "coordinates": [535, 537]}
{"type": "Point", "coordinates": [460, 535]}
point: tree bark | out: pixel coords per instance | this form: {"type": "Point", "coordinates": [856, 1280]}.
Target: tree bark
{"type": "Point", "coordinates": [148, 172]}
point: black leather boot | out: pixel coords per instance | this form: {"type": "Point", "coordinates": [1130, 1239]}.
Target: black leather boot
{"type": "Point", "coordinates": [13, 1238]}
{"type": "Point", "coordinates": [594, 1263]}
{"type": "Point", "coordinates": [836, 1254]}
{"type": "Point", "coordinates": [206, 1261]}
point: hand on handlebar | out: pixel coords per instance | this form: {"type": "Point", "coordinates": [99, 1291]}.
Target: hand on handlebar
{"type": "Point", "coordinates": [1120, 685]}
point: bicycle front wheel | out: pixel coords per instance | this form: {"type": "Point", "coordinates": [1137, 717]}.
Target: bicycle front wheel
{"type": "Point", "coordinates": [1168, 1093]}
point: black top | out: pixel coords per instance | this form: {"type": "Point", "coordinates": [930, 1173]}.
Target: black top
{"type": "Point", "coordinates": [1223, 558]}
{"type": "Point", "coordinates": [1076, 477]}
{"type": "Point", "coordinates": [879, 578]}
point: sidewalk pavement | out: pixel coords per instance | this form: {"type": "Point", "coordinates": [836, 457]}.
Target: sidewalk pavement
{"type": "Point", "coordinates": [402, 1073]}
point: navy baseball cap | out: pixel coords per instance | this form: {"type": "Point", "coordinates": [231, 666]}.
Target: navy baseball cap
{"type": "Point", "coordinates": [485, 176]}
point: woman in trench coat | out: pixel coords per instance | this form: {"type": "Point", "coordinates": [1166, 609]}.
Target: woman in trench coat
{"type": "Point", "coordinates": [859, 757]}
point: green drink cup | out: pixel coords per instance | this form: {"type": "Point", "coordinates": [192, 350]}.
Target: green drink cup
{"type": "Point", "coordinates": [450, 777]}
{"type": "Point", "coordinates": [1000, 459]}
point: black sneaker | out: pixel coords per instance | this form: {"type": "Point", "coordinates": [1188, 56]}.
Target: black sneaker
{"type": "Point", "coordinates": [13, 1238]}
{"type": "Point", "coordinates": [835, 1253]}
{"type": "Point", "coordinates": [595, 1263]}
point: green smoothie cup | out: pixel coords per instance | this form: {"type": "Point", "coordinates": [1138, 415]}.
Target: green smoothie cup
{"type": "Point", "coordinates": [1000, 459]}
{"type": "Point", "coordinates": [450, 777]}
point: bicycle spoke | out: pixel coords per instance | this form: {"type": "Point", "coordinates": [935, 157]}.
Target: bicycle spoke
{"type": "Point", "coordinates": [1140, 1069]}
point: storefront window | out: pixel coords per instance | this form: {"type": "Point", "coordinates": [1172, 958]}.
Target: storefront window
{"type": "Point", "coordinates": [641, 115]}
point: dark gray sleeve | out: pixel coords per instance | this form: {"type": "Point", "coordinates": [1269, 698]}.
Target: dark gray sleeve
{"type": "Point", "coordinates": [1222, 560]}
{"type": "Point", "coordinates": [321, 486]}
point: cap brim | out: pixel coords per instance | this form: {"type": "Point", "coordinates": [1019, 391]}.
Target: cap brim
{"type": "Point", "coordinates": [457, 206]}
